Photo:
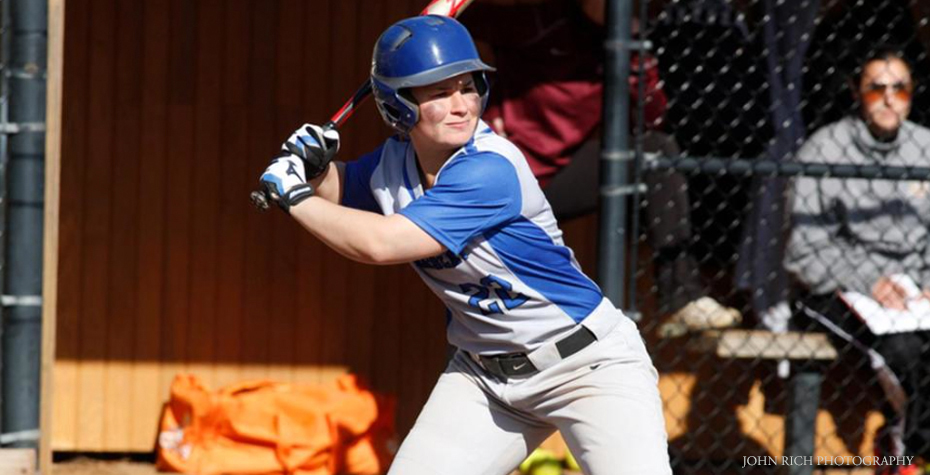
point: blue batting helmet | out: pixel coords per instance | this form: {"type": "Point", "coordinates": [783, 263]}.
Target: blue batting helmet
{"type": "Point", "coordinates": [417, 52]}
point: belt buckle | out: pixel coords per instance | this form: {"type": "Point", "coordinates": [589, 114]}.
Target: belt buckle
{"type": "Point", "coordinates": [516, 364]}
{"type": "Point", "coordinates": [505, 366]}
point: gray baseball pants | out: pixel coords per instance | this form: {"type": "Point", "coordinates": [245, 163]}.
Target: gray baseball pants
{"type": "Point", "coordinates": [604, 400]}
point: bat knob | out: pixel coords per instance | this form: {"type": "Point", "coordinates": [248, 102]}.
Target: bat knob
{"type": "Point", "coordinates": [259, 200]}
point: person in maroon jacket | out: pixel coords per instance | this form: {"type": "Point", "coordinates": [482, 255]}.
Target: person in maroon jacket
{"type": "Point", "coordinates": [548, 101]}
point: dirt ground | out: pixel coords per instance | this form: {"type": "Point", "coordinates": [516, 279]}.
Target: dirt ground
{"type": "Point", "coordinates": [90, 466]}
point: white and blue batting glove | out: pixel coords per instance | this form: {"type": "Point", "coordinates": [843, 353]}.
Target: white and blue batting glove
{"type": "Point", "coordinates": [285, 181]}
{"type": "Point", "coordinates": [315, 145]}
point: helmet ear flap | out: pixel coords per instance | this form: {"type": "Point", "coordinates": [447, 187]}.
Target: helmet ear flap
{"type": "Point", "coordinates": [484, 87]}
{"type": "Point", "coordinates": [411, 109]}
{"type": "Point", "coordinates": [481, 82]}
{"type": "Point", "coordinates": [407, 95]}
{"type": "Point", "coordinates": [397, 107]}
{"type": "Point", "coordinates": [390, 112]}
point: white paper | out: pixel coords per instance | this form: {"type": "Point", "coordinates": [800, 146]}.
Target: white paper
{"type": "Point", "coordinates": [882, 321]}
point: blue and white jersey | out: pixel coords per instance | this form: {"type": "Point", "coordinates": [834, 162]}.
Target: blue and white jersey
{"type": "Point", "coordinates": [509, 282]}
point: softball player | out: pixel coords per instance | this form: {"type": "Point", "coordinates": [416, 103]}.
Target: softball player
{"type": "Point", "coordinates": [539, 347]}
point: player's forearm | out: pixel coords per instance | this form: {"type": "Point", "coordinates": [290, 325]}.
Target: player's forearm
{"type": "Point", "coordinates": [340, 228]}
{"type": "Point", "coordinates": [363, 236]}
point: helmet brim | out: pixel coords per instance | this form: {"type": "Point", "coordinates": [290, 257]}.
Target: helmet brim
{"type": "Point", "coordinates": [435, 75]}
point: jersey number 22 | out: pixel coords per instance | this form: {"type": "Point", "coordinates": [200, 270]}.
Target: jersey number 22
{"type": "Point", "coordinates": [503, 294]}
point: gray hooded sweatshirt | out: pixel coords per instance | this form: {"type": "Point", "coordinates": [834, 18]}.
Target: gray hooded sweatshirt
{"type": "Point", "coordinates": [848, 232]}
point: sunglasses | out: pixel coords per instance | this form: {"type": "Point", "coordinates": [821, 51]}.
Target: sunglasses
{"type": "Point", "coordinates": [876, 91]}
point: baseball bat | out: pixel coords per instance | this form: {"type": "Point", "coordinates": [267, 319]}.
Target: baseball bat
{"type": "Point", "coordinates": [450, 8]}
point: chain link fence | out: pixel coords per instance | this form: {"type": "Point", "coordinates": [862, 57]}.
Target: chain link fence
{"type": "Point", "coordinates": [785, 212]}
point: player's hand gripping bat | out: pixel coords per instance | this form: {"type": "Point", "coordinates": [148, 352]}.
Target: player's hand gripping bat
{"type": "Point", "coordinates": [450, 8]}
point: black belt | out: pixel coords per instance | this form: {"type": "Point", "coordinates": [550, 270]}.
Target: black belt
{"type": "Point", "coordinates": [519, 364]}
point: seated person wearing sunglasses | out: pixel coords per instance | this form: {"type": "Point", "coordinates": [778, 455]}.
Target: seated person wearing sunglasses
{"type": "Point", "coordinates": [854, 234]}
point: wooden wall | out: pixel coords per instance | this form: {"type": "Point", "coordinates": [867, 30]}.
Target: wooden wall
{"type": "Point", "coordinates": [171, 110]}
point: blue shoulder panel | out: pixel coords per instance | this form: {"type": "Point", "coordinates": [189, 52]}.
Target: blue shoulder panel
{"type": "Point", "coordinates": [473, 194]}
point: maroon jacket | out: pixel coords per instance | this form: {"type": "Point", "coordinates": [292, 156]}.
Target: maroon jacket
{"type": "Point", "coordinates": [548, 85]}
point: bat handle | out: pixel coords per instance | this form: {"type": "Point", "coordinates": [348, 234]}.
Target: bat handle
{"type": "Point", "coordinates": [260, 200]}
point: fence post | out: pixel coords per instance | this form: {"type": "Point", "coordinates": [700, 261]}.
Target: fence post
{"type": "Point", "coordinates": [615, 152]}
{"type": "Point", "coordinates": [25, 179]}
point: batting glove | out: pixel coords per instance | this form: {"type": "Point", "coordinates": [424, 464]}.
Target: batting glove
{"type": "Point", "coordinates": [285, 181]}
{"type": "Point", "coordinates": [315, 145]}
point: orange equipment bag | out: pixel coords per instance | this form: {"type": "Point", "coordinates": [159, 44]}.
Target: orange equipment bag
{"type": "Point", "coordinates": [263, 427]}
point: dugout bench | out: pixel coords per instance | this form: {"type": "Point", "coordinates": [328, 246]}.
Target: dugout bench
{"type": "Point", "coordinates": [807, 351]}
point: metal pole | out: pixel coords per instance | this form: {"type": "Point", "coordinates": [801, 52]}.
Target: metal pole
{"type": "Point", "coordinates": [615, 152]}
{"type": "Point", "coordinates": [22, 317]}
{"type": "Point", "coordinates": [632, 309]}
{"type": "Point", "coordinates": [761, 167]}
